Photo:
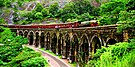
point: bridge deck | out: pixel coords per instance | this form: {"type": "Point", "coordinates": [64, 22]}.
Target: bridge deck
{"type": "Point", "coordinates": [79, 28]}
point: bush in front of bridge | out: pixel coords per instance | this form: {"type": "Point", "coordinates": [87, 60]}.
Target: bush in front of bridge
{"type": "Point", "coordinates": [118, 55]}
{"type": "Point", "coordinates": [13, 54]}
{"type": "Point", "coordinates": [34, 62]}
{"type": "Point", "coordinates": [6, 35]}
{"type": "Point", "coordinates": [23, 56]}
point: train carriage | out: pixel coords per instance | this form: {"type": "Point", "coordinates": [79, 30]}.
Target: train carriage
{"type": "Point", "coordinates": [60, 25]}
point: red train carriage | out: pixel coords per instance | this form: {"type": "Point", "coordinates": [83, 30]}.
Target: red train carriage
{"type": "Point", "coordinates": [62, 25]}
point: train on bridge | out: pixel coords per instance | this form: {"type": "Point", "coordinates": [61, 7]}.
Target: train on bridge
{"type": "Point", "coordinates": [60, 25]}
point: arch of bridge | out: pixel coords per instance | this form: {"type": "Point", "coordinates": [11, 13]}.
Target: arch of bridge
{"type": "Point", "coordinates": [84, 48]}
{"type": "Point", "coordinates": [25, 33]}
{"type": "Point", "coordinates": [53, 42]}
{"type": "Point", "coordinates": [37, 40]}
{"type": "Point", "coordinates": [95, 44]}
{"type": "Point", "coordinates": [21, 32]}
{"type": "Point", "coordinates": [67, 46]}
{"type": "Point", "coordinates": [60, 43]}
{"type": "Point", "coordinates": [42, 40]}
{"type": "Point", "coordinates": [75, 51]}
{"type": "Point", "coordinates": [111, 41]}
{"type": "Point", "coordinates": [31, 38]}
{"type": "Point", "coordinates": [47, 36]}
{"type": "Point", "coordinates": [30, 32]}
{"type": "Point", "coordinates": [115, 38]}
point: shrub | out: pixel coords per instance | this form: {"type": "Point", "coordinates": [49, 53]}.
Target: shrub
{"type": "Point", "coordinates": [39, 7]}
{"type": "Point", "coordinates": [2, 21]}
{"type": "Point", "coordinates": [20, 40]}
{"type": "Point", "coordinates": [23, 56]}
{"type": "Point", "coordinates": [118, 55]}
{"type": "Point", "coordinates": [45, 12]}
{"type": "Point", "coordinates": [39, 15]}
{"type": "Point", "coordinates": [12, 54]}
{"type": "Point", "coordinates": [7, 52]}
{"type": "Point", "coordinates": [85, 17]}
{"type": "Point", "coordinates": [53, 9]}
{"type": "Point", "coordinates": [67, 16]}
{"type": "Point", "coordinates": [6, 36]}
{"type": "Point", "coordinates": [34, 62]}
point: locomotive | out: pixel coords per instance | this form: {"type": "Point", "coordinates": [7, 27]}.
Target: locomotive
{"type": "Point", "coordinates": [61, 25]}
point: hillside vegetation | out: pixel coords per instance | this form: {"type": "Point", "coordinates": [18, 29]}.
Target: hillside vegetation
{"type": "Point", "coordinates": [108, 12]}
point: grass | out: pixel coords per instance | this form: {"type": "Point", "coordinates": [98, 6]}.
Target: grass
{"type": "Point", "coordinates": [48, 51]}
{"type": "Point", "coordinates": [73, 64]}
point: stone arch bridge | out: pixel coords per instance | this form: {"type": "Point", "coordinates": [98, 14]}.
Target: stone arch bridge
{"type": "Point", "coordinates": [73, 43]}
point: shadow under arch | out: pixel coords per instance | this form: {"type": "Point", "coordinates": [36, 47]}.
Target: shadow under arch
{"type": "Point", "coordinates": [31, 38]}
{"type": "Point", "coordinates": [25, 33]}
{"type": "Point", "coordinates": [42, 40]}
{"type": "Point", "coordinates": [37, 39]}
{"type": "Point", "coordinates": [67, 47]}
{"type": "Point", "coordinates": [60, 44]}
{"type": "Point", "coordinates": [74, 49]}
{"type": "Point", "coordinates": [84, 49]}
{"type": "Point", "coordinates": [48, 41]}
{"type": "Point", "coordinates": [95, 44]}
{"type": "Point", "coordinates": [111, 41]}
{"type": "Point", "coordinates": [20, 33]}
{"type": "Point", "coordinates": [54, 43]}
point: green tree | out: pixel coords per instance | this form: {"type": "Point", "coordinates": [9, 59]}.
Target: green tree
{"type": "Point", "coordinates": [2, 3]}
{"type": "Point", "coordinates": [130, 5]}
{"type": "Point", "coordinates": [79, 7]}
{"type": "Point", "coordinates": [85, 17]}
{"type": "Point", "coordinates": [39, 7]}
{"type": "Point", "coordinates": [38, 15]}
{"type": "Point", "coordinates": [53, 9]}
{"type": "Point", "coordinates": [109, 12]}
{"type": "Point", "coordinates": [75, 8]}
{"type": "Point", "coordinates": [6, 36]}
{"type": "Point", "coordinates": [45, 12]}
{"type": "Point", "coordinates": [126, 20]}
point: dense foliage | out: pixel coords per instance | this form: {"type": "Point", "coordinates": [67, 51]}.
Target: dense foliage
{"type": "Point", "coordinates": [107, 12]}
{"type": "Point", "coordinates": [126, 20]}
{"type": "Point", "coordinates": [127, 17]}
{"type": "Point", "coordinates": [14, 54]}
{"type": "Point", "coordinates": [110, 12]}
{"type": "Point", "coordinates": [118, 55]}
{"type": "Point", "coordinates": [2, 21]}
{"type": "Point", "coordinates": [76, 9]}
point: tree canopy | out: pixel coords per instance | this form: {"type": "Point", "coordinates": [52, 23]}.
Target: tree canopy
{"type": "Point", "coordinates": [109, 12]}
